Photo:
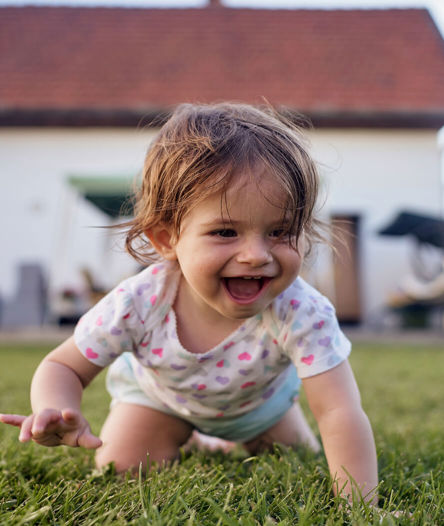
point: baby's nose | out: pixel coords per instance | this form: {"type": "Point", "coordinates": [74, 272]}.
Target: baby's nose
{"type": "Point", "coordinates": [255, 252]}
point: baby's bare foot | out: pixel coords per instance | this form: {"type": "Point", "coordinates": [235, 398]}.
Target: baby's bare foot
{"type": "Point", "coordinates": [209, 443]}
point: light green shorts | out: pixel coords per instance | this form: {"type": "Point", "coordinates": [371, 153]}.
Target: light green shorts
{"type": "Point", "coordinates": [123, 387]}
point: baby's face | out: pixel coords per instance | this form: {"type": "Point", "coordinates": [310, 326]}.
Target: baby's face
{"type": "Point", "coordinates": [230, 250]}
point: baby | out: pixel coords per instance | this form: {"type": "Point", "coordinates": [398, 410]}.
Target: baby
{"type": "Point", "coordinates": [219, 333]}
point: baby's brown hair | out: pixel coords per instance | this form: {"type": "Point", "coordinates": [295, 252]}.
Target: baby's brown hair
{"type": "Point", "coordinates": [201, 148]}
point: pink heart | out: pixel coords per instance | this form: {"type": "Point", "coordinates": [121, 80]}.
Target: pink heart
{"type": "Point", "coordinates": [228, 345]}
{"type": "Point", "coordinates": [244, 356]}
{"type": "Point", "coordinates": [91, 354]}
{"type": "Point", "coordinates": [159, 352]}
{"type": "Point", "coordinates": [201, 387]}
{"type": "Point", "coordinates": [99, 321]}
{"type": "Point", "coordinates": [247, 384]}
{"type": "Point", "coordinates": [155, 271]}
{"type": "Point", "coordinates": [153, 299]}
{"type": "Point", "coordinates": [295, 304]}
{"type": "Point", "coordinates": [319, 325]}
{"type": "Point", "coordinates": [220, 363]}
{"type": "Point", "coordinates": [308, 360]}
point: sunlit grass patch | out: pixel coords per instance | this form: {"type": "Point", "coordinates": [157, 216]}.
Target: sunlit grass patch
{"type": "Point", "coordinates": [402, 391]}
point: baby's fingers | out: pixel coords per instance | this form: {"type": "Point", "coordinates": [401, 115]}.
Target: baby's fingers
{"type": "Point", "coordinates": [25, 434]}
{"type": "Point", "coordinates": [85, 437]}
{"type": "Point", "coordinates": [25, 424]}
{"type": "Point", "coordinates": [12, 420]}
{"type": "Point", "coordinates": [45, 423]}
{"type": "Point", "coordinates": [72, 418]}
{"type": "Point", "coordinates": [88, 440]}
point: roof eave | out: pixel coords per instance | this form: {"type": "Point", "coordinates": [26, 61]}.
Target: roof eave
{"type": "Point", "coordinates": [155, 117]}
{"type": "Point", "coordinates": [423, 119]}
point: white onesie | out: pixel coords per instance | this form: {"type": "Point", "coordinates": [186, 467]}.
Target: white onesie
{"type": "Point", "coordinates": [234, 377]}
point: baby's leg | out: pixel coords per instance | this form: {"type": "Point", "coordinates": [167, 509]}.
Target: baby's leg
{"type": "Point", "coordinates": [132, 431]}
{"type": "Point", "coordinates": [291, 430]}
{"type": "Point", "coordinates": [209, 443]}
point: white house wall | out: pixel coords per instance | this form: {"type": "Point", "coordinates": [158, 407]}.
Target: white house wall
{"type": "Point", "coordinates": [46, 221]}
{"type": "Point", "coordinates": [373, 174]}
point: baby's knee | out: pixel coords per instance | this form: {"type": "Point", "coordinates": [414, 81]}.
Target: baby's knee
{"type": "Point", "coordinates": [124, 461]}
{"type": "Point", "coordinates": [121, 463]}
{"type": "Point", "coordinates": [258, 445]}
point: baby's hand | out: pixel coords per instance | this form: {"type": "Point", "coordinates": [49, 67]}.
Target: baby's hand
{"type": "Point", "coordinates": [52, 427]}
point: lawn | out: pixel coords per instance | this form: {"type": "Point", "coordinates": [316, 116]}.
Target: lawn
{"type": "Point", "coordinates": [402, 390]}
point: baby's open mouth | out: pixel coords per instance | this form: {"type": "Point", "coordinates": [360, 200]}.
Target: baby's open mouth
{"type": "Point", "coordinates": [245, 287]}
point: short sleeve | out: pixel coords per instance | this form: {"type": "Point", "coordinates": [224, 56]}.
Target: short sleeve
{"type": "Point", "coordinates": [311, 336]}
{"type": "Point", "coordinates": [122, 319]}
{"type": "Point", "coordinates": [110, 328]}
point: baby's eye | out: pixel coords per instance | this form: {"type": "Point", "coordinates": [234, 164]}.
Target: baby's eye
{"type": "Point", "coordinates": [279, 233]}
{"type": "Point", "coordinates": [224, 232]}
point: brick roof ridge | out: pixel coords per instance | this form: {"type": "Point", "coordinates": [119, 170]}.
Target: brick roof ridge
{"type": "Point", "coordinates": [328, 63]}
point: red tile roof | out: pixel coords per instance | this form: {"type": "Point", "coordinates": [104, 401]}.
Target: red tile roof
{"type": "Point", "coordinates": [114, 63]}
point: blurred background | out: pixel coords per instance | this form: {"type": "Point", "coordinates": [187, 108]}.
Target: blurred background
{"type": "Point", "coordinates": [85, 85]}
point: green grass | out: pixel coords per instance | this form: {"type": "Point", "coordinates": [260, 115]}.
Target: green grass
{"type": "Point", "coordinates": [402, 390]}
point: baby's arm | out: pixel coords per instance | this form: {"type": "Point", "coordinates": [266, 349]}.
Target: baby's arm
{"type": "Point", "coordinates": [56, 393]}
{"type": "Point", "coordinates": [345, 430]}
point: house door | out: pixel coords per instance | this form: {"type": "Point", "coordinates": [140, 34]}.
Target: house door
{"type": "Point", "coordinates": [346, 268]}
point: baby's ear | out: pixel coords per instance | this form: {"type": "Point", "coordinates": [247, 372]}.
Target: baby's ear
{"type": "Point", "coordinates": [161, 237]}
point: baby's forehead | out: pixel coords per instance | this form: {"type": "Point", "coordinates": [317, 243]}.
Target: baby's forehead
{"type": "Point", "coordinates": [247, 195]}
{"type": "Point", "coordinates": [256, 183]}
